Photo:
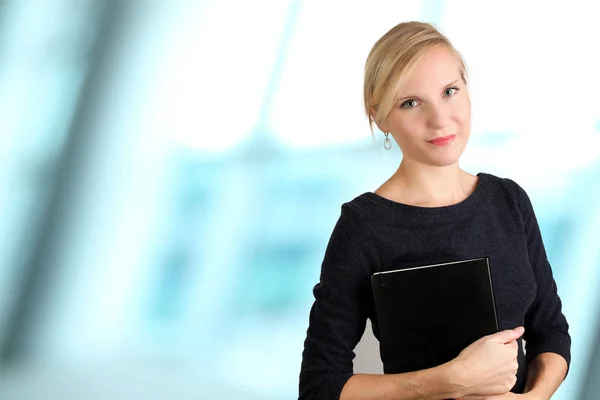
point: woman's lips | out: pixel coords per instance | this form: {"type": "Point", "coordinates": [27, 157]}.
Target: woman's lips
{"type": "Point", "coordinates": [442, 141]}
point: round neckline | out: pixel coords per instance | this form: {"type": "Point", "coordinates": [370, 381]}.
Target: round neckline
{"type": "Point", "coordinates": [436, 214]}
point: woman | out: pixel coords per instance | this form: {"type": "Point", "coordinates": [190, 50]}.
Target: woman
{"type": "Point", "coordinates": [415, 89]}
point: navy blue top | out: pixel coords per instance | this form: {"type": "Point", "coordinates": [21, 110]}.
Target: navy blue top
{"type": "Point", "coordinates": [376, 234]}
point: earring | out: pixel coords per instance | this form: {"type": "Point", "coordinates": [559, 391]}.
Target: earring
{"type": "Point", "coordinates": [387, 143]}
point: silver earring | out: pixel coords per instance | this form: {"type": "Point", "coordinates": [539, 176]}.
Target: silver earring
{"type": "Point", "coordinates": [387, 143]}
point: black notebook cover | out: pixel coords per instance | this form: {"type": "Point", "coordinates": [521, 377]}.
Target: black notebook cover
{"type": "Point", "coordinates": [428, 314]}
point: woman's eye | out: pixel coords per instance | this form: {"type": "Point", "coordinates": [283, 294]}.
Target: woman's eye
{"type": "Point", "coordinates": [409, 104]}
{"type": "Point", "coordinates": [450, 91]}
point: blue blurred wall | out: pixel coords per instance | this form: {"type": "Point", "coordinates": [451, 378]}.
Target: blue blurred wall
{"type": "Point", "coordinates": [170, 173]}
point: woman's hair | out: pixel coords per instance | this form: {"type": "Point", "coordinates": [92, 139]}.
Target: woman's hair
{"type": "Point", "coordinates": [392, 57]}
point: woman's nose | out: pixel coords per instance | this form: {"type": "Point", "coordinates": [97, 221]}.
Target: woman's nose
{"type": "Point", "coordinates": [438, 117]}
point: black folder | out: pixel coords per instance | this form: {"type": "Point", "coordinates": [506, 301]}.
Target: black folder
{"type": "Point", "coordinates": [428, 314]}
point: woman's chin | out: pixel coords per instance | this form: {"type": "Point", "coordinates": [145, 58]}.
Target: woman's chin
{"type": "Point", "coordinates": [444, 163]}
{"type": "Point", "coordinates": [444, 158]}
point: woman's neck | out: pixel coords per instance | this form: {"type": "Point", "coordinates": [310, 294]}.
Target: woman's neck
{"type": "Point", "coordinates": [429, 186]}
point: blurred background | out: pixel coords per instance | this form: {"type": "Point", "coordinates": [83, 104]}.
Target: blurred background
{"type": "Point", "coordinates": [171, 171]}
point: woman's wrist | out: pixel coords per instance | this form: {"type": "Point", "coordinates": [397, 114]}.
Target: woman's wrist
{"type": "Point", "coordinates": [453, 373]}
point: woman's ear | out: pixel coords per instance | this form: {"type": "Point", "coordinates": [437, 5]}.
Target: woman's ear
{"type": "Point", "coordinates": [381, 125]}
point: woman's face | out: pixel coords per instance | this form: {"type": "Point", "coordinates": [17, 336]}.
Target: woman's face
{"type": "Point", "coordinates": [431, 117]}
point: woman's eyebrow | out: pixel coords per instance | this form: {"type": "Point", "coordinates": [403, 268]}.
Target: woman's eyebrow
{"type": "Point", "coordinates": [416, 97]}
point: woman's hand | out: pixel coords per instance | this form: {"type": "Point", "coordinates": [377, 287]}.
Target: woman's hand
{"type": "Point", "coordinates": [488, 367]}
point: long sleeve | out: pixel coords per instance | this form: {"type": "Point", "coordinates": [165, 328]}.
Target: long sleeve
{"type": "Point", "coordinates": [338, 315]}
{"type": "Point", "coordinates": [546, 328]}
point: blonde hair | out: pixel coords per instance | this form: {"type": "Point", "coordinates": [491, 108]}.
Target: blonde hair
{"type": "Point", "coordinates": [394, 55]}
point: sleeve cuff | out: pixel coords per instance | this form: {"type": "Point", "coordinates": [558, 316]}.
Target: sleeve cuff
{"type": "Point", "coordinates": [323, 386]}
{"type": "Point", "coordinates": [555, 342]}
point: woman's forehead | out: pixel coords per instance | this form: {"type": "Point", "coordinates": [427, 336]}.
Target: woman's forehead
{"type": "Point", "coordinates": [434, 70]}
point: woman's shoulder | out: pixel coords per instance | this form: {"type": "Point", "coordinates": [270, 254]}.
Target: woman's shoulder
{"type": "Point", "coordinates": [358, 208]}
{"type": "Point", "coordinates": [370, 207]}
{"type": "Point", "coordinates": [503, 183]}
{"type": "Point", "coordinates": [509, 190]}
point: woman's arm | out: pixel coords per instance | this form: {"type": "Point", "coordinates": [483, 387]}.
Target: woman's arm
{"type": "Point", "coordinates": [434, 383]}
{"type": "Point", "coordinates": [487, 366]}
{"type": "Point", "coordinates": [545, 374]}
{"type": "Point", "coordinates": [546, 328]}
{"type": "Point", "coordinates": [547, 339]}
{"type": "Point", "coordinates": [339, 313]}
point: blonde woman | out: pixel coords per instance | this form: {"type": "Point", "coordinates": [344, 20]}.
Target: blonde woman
{"type": "Point", "coordinates": [415, 90]}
